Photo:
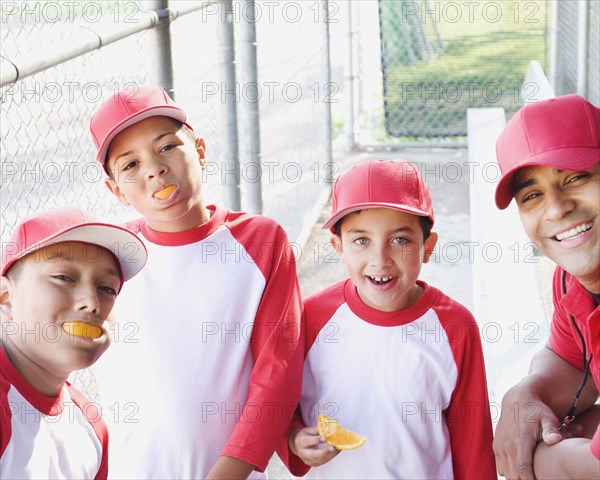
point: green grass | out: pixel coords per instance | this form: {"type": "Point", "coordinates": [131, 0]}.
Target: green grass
{"type": "Point", "coordinates": [482, 64]}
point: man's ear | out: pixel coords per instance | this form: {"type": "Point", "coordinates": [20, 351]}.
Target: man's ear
{"type": "Point", "coordinates": [430, 246]}
{"type": "Point", "coordinates": [113, 188]}
{"type": "Point", "coordinates": [201, 148]}
{"type": "Point", "coordinates": [5, 300]}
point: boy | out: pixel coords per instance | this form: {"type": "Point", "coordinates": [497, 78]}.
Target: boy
{"type": "Point", "coordinates": [549, 156]}
{"type": "Point", "coordinates": [61, 273]}
{"type": "Point", "coordinates": [390, 357]}
{"type": "Point", "coordinates": [215, 316]}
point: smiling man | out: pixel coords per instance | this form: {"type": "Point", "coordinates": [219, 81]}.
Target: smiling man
{"type": "Point", "coordinates": [549, 155]}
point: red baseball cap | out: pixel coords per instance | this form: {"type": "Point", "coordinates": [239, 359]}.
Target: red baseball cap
{"type": "Point", "coordinates": [394, 184]}
{"type": "Point", "coordinates": [126, 108]}
{"type": "Point", "coordinates": [561, 132]}
{"type": "Point", "coordinates": [72, 224]}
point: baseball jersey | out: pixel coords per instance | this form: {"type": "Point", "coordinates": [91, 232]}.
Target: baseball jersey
{"type": "Point", "coordinates": [564, 339]}
{"type": "Point", "coordinates": [412, 381]}
{"type": "Point", "coordinates": [48, 437]}
{"type": "Point", "coordinates": [207, 351]}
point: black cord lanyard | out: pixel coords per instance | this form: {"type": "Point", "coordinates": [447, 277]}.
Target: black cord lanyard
{"type": "Point", "coordinates": [569, 417]}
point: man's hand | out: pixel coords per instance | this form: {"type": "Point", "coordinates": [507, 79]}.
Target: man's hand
{"type": "Point", "coordinates": [525, 420]}
{"type": "Point", "coordinates": [310, 447]}
{"type": "Point", "coordinates": [528, 413]}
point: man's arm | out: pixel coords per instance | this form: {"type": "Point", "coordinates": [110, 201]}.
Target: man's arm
{"type": "Point", "coordinates": [570, 458]}
{"type": "Point", "coordinates": [533, 409]}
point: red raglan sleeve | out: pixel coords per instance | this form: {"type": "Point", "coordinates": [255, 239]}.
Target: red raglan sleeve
{"type": "Point", "coordinates": [294, 464]}
{"type": "Point", "coordinates": [468, 415]}
{"type": "Point", "coordinates": [277, 346]}
{"type": "Point", "coordinates": [5, 408]}
{"type": "Point", "coordinates": [92, 414]}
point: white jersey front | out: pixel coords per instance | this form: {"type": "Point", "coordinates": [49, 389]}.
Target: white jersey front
{"type": "Point", "coordinates": [197, 330]}
{"type": "Point", "coordinates": [411, 381]}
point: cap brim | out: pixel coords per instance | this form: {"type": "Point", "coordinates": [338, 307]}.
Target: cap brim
{"type": "Point", "coordinates": [330, 224]}
{"type": "Point", "coordinates": [161, 111]}
{"type": "Point", "coordinates": [572, 159]}
{"type": "Point", "coordinates": [127, 248]}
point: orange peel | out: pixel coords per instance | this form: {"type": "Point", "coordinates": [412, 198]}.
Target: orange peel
{"type": "Point", "coordinates": [165, 192]}
{"type": "Point", "coordinates": [338, 436]}
{"type": "Point", "coordinates": [82, 329]}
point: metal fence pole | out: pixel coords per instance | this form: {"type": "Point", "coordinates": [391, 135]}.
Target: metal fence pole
{"type": "Point", "coordinates": [227, 114]}
{"type": "Point", "coordinates": [249, 124]}
{"type": "Point", "coordinates": [582, 47]}
{"type": "Point", "coordinates": [326, 66]}
{"type": "Point", "coordinates": [553, 26]}
{"type": "Point", "coordinates": [349, 124]}
{"type": "Point", "coordinates": [161, 38]}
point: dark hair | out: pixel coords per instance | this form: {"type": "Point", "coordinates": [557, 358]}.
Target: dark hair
{"type": "Point", "coordinates": [426, 225]}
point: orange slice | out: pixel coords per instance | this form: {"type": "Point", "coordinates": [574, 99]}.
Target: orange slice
{"type": "Point", "coordinates": [82, 329]}
{"type": "Point", "coordinates": [165, 192]}
{"type": "Point", "coordinates": [338, 436]}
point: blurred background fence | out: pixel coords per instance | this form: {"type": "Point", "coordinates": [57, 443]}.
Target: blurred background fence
{"type": "Point", "coordinates": [47, 151]}
{"type": "Point", "coordinates": [418, 65]}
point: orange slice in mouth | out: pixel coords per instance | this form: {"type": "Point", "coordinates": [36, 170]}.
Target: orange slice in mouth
{"type": "Point", "coordinates": [165, 192]}
{"type": "Point", "coordinates": [82, 329]}
{"type": "Point", "coordinates": [338, 436]}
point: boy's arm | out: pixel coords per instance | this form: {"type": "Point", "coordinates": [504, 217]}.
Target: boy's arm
{"type": "Point", "coordinates": [468, 416]}
{"type": "Point", "coordinates": [287, 455]}
{"type": "Point", "coordinates": [569, 459]}
{"type": "Point", "coordinates": [277, 344]}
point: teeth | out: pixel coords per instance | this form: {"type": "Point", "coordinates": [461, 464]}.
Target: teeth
{"type": "Point", "coordinates": [380, 279]}
{"type": "Point", "coordinates": [574, 231]}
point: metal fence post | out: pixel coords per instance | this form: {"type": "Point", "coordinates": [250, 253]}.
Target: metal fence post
{"type": "Point", "coordinates": [227, 114]}
{"type": "Point", "coordinates": [161, 38]}
{"type": "Point", "coordinates": [582, 47]}
{"type": "Point", "coordinates": [326, 65]}
{"type": "Point", "coordinates": [349, 123]}
{"type": "Point", "coordinates": [249, 120]}
{"type": "Point", "coordinates": [553, 27]}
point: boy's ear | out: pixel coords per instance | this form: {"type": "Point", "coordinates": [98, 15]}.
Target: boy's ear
{"type": "Point", "coordinates": [113, 188]}
{"type": "Point", "coordinates": [336, 241]}
{"type": "Point", "coordinates": [5, 301]}
{"type": "Point", "coordinates": [430, 246]}
{"type": "Point", "coordinates": [201, 148]}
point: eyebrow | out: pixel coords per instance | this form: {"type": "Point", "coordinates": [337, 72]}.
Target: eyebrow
{"type": "Point", "coordinates": [531, 181]}
{"type": "Point", "coordinates": [396, 230]}
{"type": "Point", "coordinates": [523, 184]}
{"type": "Point", "coordinates": [154, 140]}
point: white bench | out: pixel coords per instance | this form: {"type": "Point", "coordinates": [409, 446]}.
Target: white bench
{"type": "Point", "coordinates": [507, 300]}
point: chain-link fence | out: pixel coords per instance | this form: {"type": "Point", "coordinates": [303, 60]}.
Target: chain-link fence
{"type": "Point", "coordinates": [577, 58]}
{"type": "Point", "coordinates": [47, 153]}
{"type": "Point", "coordinates": [419, 64]}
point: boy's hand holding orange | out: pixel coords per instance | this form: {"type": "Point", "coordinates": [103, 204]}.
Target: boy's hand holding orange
{"type": "Point", "coordinates": [338, 436]}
